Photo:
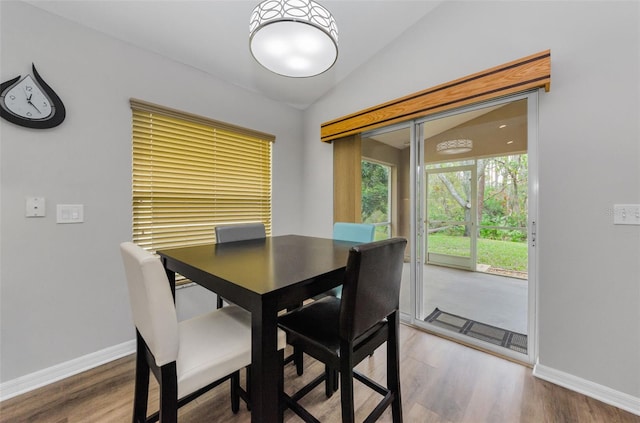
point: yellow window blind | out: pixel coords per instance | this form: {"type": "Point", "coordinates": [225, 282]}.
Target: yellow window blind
{"type": "Point", "coordinates": [191, 174]}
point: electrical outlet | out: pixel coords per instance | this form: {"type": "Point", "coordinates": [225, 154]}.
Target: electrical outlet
{"type": "Point", "coordinates": [35, 207]}
{"type": "Point", "coordinates": [626, 214]}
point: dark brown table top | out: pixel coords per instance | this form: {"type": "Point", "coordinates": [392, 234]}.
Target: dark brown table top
{"type": "Point", "coordinates": [264, 266]}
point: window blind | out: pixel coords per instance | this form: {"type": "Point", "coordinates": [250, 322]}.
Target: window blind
{"type": "Point", "coordinates": [191, 174]}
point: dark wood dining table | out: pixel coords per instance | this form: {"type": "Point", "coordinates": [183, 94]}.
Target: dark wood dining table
{"type": "Point", "coordinates": [263, 276]}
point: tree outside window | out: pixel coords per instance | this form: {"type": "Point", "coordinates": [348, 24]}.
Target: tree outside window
{"type": "Point", "coordinates": [376, 197]}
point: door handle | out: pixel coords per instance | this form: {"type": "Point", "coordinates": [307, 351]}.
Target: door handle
{"type": "Point", "coordinates": [533, 234]}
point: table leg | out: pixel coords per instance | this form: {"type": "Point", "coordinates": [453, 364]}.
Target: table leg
{"type": "Point", "coordinates": [171, 275]}
{"type": "Point", "coordinates": [265, 366]}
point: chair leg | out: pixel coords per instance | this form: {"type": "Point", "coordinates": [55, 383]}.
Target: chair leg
{"type": "Point", "coordinates": [298, 359]}
{"type": "Point", "coordinates": [328, 381]}
{"type": "Point", "coordinates": [141, 390]}
{"type": "Point", "coordinates": [235, 392]}
{"type": "Point", "coordinates": [332, 381]}
{"type": "Point", "coordinates": [393, 368]}
{"type": "Point", "coordinates": [346, 396]}
{"type": "Point", "coordinates": [346, 383]}
{"type": "Point", "coordinates": [281, 406]}
{"type": "Point", "coordinates": [248, 384]}
{"type": "Point", "coordinates": [168, 393]}
{"type": "Point", "coordinates": [219, 303]}
{"type": "Point", "coordinates": [298, 356]}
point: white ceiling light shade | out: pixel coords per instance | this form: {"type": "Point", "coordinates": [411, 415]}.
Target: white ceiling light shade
{"type": "Point", "coordinates": [296, 38]}
{"type": "Point", "coordinates": [458, 146]}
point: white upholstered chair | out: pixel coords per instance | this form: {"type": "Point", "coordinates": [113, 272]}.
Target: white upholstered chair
{"type": "Point", "coordinates": [187, 358]}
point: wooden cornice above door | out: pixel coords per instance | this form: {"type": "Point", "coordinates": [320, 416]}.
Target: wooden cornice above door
{"type": "Point", "coordinates": [520, 75]}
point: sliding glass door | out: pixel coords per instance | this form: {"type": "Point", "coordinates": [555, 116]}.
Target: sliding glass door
{"type": "Point", "coordinates": [464, 195]}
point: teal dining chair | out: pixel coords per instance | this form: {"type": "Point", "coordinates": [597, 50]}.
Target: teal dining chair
{"type": "Point", "coordinates": [355, 232]}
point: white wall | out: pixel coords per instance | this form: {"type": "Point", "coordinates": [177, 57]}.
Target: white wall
{"type": "Point", "coordinates": [63, 293]}
{"type": "Point", "coordinates": [589, 138]}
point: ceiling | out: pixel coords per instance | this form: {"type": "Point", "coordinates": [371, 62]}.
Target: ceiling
{"type": "Point", "coordinates": [213, 36]}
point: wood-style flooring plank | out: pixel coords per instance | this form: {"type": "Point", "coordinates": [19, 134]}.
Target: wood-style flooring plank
{"type": "Point", "coordinates": [442, 382]}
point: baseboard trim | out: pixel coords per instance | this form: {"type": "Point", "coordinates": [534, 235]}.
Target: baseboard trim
{"type": "Point", "coordinates": [61, 371]}
{"type": "Point", "coordinates": [601, 393]}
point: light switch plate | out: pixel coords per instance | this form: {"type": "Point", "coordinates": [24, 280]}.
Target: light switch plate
{"type": "Point", "coordinates": [626, 214]}
{"type": "Point", "coordinates": [70, 213]}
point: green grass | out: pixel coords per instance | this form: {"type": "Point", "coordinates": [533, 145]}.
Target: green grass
{"type": "Point", "coordinates": [503, 254]}
{"type": "Point", "coordinates": [380, 233]}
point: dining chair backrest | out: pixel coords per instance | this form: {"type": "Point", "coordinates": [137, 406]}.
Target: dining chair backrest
{"type": "Point", "coordinates": [356, 232]}
{"type": "Point", "coordinates": [152, 306]}
{"type": "Point", "coordinates": [371, 288]}
{"type": "Point", "coordinates": [240, 232]}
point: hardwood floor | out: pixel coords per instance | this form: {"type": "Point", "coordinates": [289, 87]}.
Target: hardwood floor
{"type": "Point", "coordinates": [442, 382]}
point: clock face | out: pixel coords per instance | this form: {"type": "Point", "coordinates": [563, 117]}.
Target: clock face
{"type": "Point", "coordinates": [31, 102]}
{"type": "Point", "coordinates": [26, 100]}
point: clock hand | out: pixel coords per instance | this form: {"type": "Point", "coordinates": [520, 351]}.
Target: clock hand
{"type": "Point", "coordinates": [29, 95]}
{"type": "Point", "coordinates": [34, 106]}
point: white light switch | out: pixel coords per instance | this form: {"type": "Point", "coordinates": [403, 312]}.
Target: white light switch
{"type": "Point", "coordinates": [626, 214]}
{"type": "Point", "coordinates": [70, 213]}
{"type": "Point", "coordinates": [35, 207]}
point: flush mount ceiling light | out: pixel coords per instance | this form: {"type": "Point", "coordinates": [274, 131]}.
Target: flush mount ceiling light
{"type": "Point", "coordinates": [454, 146]}
{"type": "Point", "coordinates": [296, 38]}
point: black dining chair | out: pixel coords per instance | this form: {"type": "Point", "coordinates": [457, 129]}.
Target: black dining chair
{"type": "Point", "coordinates": [342, 231]}
{"type": "Point", "coordinates": [238, 232]}
{"type": "Point", "coordinates": [341, 332]}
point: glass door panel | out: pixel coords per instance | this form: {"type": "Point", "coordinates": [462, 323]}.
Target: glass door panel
{"type": "Point", "coordinates": [472, 283]}
{"type": "Point", "coordinates": [450, 212]}
{"type": "Point", "coordinates": [386, 199]}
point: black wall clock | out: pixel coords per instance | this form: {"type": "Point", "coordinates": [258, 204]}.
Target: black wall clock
{"type": "Point", "coordinates": [31, 103]}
